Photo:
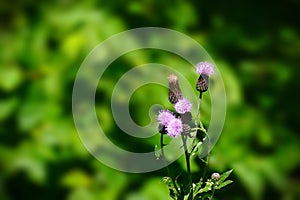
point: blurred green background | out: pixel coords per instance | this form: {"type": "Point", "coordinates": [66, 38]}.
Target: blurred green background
{"type": "Point", "coordinates": [256, 45]}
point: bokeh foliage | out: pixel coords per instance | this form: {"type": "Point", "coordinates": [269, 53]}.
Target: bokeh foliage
{"type": "Point", "coordinates": [255, 44]}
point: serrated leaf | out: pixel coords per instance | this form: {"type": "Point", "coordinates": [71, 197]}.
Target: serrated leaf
{"type": "Point", "coordinates": [225, 183]}
{"type": "Point", "coordinates": [197, 197]}
{"type": "Point", "coordinates": [207, 187]}
{"type": "Point", "coordinates": [172, 193]}
{"type": "Point", "coordinates": [224, 176]}
{"type": "Point", "coordinates": [190, 197]}
{"type": "Point", "coordinates": [198, 186]}
{"type": "Point", "coordinates": [166, 180]}
{"type": "Point", "coordinates": [187, 197]}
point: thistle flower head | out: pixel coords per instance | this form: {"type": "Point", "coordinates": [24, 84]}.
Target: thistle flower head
{"type": "Point", "coordinates": [174, 90]}
{"type": "Point", "coordinates": [165, 116]}
{"type": "Point", "coordinates": [174, 127]}
{"type": "Point", "coordinates": [205, 68]}
{"type": "Point", "coordinates": [183, 105]}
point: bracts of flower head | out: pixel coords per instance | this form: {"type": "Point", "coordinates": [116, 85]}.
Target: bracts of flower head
{"type": "Point", "coordinates": [204, 69]}
{"type": "Point", "coordinates": [174, 90]}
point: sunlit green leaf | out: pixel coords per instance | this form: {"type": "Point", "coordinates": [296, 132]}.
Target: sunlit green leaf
{"type": "Point", "coordinates": [224, 176]}
{"type": "Point", "coordinates": [223, 184]}
{"type": "Point", "coordinates": [206, 188]}
{"type": "Point", "coordinates": [76, 179]}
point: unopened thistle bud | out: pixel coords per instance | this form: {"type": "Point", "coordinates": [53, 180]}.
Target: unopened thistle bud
{"type": "Point", "coordinates": [215, 176]}
{"type": "Point", "coordinates": [202, 83]}
{"type": "Point", "coordinates": [174, 89]}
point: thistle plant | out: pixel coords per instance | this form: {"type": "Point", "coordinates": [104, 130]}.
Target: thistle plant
{"type": "Point", "coordinates": [179, 124]}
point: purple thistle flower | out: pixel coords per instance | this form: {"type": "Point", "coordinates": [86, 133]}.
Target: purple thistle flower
{"type": "Point", "coordinates": [183, 105]}
{"type": "Point", "coordinates": [165, 116]}
{"type": "Point", "coordinates": [205, 68]}
{"type": "Point", "coordinates": [174, 127]}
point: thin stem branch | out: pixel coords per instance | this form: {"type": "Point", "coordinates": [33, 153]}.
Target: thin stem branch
{"type": "Point", "coordinates": [207, 157]}
{"type": "Point", "coordinates": [197, 118]}
{"type": "Point", "coordinates": [213, 192]}
{"type": "Point", "coordinates": [163, 157]}
{"type": "Point", "coordinates": [188, 165]}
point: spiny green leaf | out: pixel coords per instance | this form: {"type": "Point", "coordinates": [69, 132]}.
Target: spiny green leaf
{"type": "Point", "coordinates": [198, 185]}
{"type": "Point", "coordinates": [207, 187]}
{"type": "Point", "coordinates": [224, 176]}
{"type": "Point", "coordinates": [223, 184]}
{"type": "Point", "coordinates": [190, 197]}
{"type": "Point", "coordinates": [166, 180]}
{"type": "Point", "coordinates": [172, 193]}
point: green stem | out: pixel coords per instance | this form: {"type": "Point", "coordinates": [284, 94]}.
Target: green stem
{"type": "Point", "coordinates": [213, 192]}
{"type": "Point", "coordinates": [163, 156]}
{"type": "Point", "coordinates": [188, 165]}
{"type": "Point", "coordinates": [198, 110]}
{"type": "Point", "coordinates": [201, 127]}
{"type": "Point", "coordinates": [207, 157]}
